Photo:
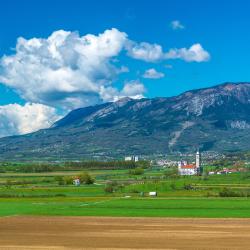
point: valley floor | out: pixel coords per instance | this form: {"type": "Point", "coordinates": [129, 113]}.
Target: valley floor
{"type": "Point", "coordinates": [42, 232]}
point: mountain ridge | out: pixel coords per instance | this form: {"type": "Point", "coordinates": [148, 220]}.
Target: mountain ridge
{"type": "Point", "coordinates": [213, 118]}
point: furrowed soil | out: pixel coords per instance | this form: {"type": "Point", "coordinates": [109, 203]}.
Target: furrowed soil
{"type": "Point", "coordinates": [40, 232]}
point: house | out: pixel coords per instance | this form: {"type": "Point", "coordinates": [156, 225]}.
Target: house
{"type": "Point", "coordinates": [77, 182]}
{"type": "Point", "coordinates": [152, 194]}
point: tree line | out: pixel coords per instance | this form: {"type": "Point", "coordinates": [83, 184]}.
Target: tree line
{"type": "Point", "coordinates": [72, 165]}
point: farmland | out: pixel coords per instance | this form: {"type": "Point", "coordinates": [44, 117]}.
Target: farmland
{"type": "Point", "coordinates": [40, 208]}
{"type": "Point", "coordinates": [29, 232]}
{"type": "Point", "coordinates": [120, 192]}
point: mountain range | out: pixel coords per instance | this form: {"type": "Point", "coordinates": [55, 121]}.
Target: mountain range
{"type": "Point", "coordinates": [213, 119]}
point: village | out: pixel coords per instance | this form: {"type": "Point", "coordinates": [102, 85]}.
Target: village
{"type": "Point", "coordinates": [188, 168]}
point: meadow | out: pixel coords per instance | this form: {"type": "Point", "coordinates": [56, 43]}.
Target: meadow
{"type": "Point", "coordinates": [123, 193]}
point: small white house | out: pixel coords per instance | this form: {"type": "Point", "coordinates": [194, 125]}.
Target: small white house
{"type": "Point", "coordinates": [152, 194]}
{"type": "Point", "coordinates": [77, 182]}
{"type": "Point", "coordinates": [128, 158]}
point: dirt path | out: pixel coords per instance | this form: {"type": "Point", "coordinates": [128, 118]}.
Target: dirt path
{"type": "Point", "coordinates": [122, 233]}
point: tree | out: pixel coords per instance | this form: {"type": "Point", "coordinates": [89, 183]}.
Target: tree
{"type": "Point", "coordinates": [173, 186]}
{"type": "Point", "coordinates": [239, 164]}
{"type": "Point", "coordinates": [86, 178]}
{"type": "Point", "coordinates": [8, 183]}
{"type": "Point", "coordinates": [171, 173]}
{"type": "Point", "coordinates": [59, 180]}
{"type": "Point", "coordinates": [111, 187]}
{"type": "Point", "coordinates": [68, 180]}
{"type": "Point", "coordinates": [205, 175]}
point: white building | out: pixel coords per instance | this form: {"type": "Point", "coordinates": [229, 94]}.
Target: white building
{"type": "Point", "coordinates": [134, 158]}
{"type": "Point", "coordinates": [197, 159]}
{"type": "Point", "coordinates": [77, 182]}
{"type": "Point", "coordinates": [190, 169]}
{"type": "Point", "coordinates": [128, 158]}
{"type": "Point", "coordinates": [153, 193]}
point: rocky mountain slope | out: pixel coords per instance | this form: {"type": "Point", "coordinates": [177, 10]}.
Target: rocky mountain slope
{"type": "Point", "coordinates": [216, 118]}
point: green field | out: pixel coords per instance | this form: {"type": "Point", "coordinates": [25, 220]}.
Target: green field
{"type": "Point", "coordinates": [41, 194]}
{"type": "Point", "coordinates": [114, 206]}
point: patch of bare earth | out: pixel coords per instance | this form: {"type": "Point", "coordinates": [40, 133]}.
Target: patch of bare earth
{"type": "Point", "coordinates": [122, 233]}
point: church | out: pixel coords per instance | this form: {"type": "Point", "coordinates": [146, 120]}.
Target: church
{"type": "Point", "coordinates": [190, 169]}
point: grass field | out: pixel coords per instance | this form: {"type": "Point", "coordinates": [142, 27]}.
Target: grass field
{"type": "Point", "coordinates": [115, 206]}
{"type": "Point", "coordinates": [40, 194]}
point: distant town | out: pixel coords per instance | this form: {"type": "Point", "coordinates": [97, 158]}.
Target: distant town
{"type": "Point", "coordinates": [197, 166]}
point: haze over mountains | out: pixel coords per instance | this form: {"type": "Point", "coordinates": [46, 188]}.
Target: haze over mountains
{"type": "Point", "coordinates": [214, 119]}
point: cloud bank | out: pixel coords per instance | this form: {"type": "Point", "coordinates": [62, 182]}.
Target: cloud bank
{"type": "Point", "coordinates": [66, 71]}
{"type": "Point", "coordinates": [16, 119]}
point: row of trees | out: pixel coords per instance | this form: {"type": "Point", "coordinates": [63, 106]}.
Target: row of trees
{"type": "Point", "coordinates": [106, 165]}
{"type": "Point", "coordinates": [81, 165]}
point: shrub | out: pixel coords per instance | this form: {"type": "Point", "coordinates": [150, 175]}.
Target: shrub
{"type": "Point", "coordinates": [8, 183]}
{"type": "Point", "coordinates": [173, 186]}
{"type": "Point", "coordinates": [109, 189]}
{"type": "Point", "coordinates": [60, 180]}
{"type": "Point", "coordinates": [68, 180]}
{"type": "Point", "coordinates": [86, 178]}
{"type": "Point", "coordinates": [188, 187]}
{"type": "Point", "coordinates": [226, 192]}
{"type": "Point", "coordinates": [208, 194]}
{"type": "Point", "coordinates": [136, 171]}
{"type": "Point", "coordinates": [134, 191]}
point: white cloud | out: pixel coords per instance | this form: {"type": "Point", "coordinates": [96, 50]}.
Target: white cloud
{"type": "Point", "coordinates": [153, 74]}
{"type": "Point", "coordinates": [133, 89]}
{"type": "Point", "coordinates": [63, 67]}
{"type": "Point", "coordinates": [194, 54]}
{"type": "Point", "coordinates": [17, 119]}
{"type": "Point", "coordinates": [145, 51]}
{"type": "Point", "coordinates": [177, 25]}
{"type": "Point", "coordinates": [67, 71]}
{"type": "Point", "coordinates": [154, 52]}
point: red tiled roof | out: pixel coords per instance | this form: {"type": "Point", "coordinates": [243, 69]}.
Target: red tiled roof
{"type": "Point", "coordinates": [189, 166]}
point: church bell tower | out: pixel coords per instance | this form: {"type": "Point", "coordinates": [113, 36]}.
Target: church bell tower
{"type": "Point", "coordinates": [198, 162]}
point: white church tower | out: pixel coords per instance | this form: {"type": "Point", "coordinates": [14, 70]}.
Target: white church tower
{"type": "Point", "coordinates": [198, 161]}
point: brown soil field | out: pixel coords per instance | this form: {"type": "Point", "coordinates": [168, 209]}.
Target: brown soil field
{"type": "Point", "coordinates": [122, 233]}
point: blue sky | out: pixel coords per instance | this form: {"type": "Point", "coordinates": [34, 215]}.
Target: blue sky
{"type": "Point", "coordinates": [220, 28]}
